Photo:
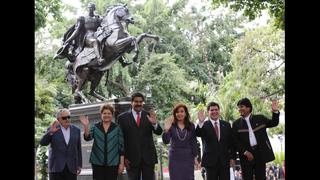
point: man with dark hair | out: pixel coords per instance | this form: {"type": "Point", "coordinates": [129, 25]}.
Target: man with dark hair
{"type": "Point", "coordinates": [251, 139]}
{"type": "Point", "coordinates": [138, 126]}
{"type": "Point", "coordinates": [218, 150]}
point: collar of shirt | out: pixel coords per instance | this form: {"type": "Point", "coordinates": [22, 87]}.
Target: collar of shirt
{"type": "Point", "coordinates": [66, 134]}
{"type": "Point", "coordinates": [65, 129]}
{"type": "Point", "coordinates": [134, 113]}
{"type": "Point", "coordinates": [213, 121]}
{"type": "Point", "coordinates": [248, 117]}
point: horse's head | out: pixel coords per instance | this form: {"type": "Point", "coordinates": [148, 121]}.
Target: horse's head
{"type": "Point", "coordinates": [120, 13]}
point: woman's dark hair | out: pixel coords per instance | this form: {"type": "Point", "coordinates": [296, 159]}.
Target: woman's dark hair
{"type": "Point", "coordinates": [188, 124]}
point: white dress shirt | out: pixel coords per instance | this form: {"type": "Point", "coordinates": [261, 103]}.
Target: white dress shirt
{"type": "Point", "coordinates": [252, 137]}
{"type": "Point", "coordinates": [66, 134]}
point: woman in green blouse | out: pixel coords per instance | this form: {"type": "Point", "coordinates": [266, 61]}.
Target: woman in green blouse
{"type": "Point", "coordinates": [107, 154]}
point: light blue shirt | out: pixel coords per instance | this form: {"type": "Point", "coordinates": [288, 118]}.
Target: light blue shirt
{"type": "Point", "coordinates": [66, 134]}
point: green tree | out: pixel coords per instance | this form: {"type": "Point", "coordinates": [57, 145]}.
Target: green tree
{"type": "Point", "coordinates": [45, 107]}
{"type": "Point", "coordinates": [253, 8]}
{"type": "Point", "coordinates": [279, 130]}
{"type": "Point", "coordinates": [216, 34]}
{"type": "Point", "coordinates": [168, 81]}
{"type": "Point", "coordinates": [257, 72]}
{"type": "Point", "coordinates": [44, 8]}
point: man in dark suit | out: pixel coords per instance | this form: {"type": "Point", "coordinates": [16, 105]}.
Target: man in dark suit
{"type": "Point", "coordinates": [218, 150]}
{"type": "Point", "coordinates": [251, 139]}
{"type": "Point", "coordinates": [65, 157]}
{"type": "Point", "coordinates": [140, 152]}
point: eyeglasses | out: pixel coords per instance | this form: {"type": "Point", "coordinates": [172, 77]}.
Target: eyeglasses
{"type": "Point", "coordinates": [65, 118]}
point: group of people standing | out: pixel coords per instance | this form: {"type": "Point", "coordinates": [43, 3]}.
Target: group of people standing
{"type": "Point", "coordinates": [129, 143]}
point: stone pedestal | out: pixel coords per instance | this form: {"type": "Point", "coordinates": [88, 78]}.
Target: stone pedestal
{"type": "Point", "coordinates": [92, 110]}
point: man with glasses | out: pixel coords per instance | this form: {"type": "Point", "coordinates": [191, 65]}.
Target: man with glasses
{"type": "Point", "coordinates": [65, 156]}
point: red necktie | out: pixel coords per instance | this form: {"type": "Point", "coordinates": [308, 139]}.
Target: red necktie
{"type": "Point", "coordinates": [216, 129]}
{"type": "Point", "coordinates": [138, 119]}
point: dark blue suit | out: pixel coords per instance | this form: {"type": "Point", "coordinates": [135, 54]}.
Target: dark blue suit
{"type": "Point", "coordinates": [139, 146]}
{"type": "Point", "coordinates": [62, 155]}
{"type": "Point", "coordinates": [216, 154]}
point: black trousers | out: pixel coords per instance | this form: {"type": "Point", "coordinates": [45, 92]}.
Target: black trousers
{"type": "Point", "coordinates": [218, 172]}
{"type": "Point", "coordinates": [64, 175]}
{"type": "Point", "coordinates": [104, 172]}
{"type": "Point", "coordinates": [146, 170]}
{"type": "Point", "coordinates": [257, 169]}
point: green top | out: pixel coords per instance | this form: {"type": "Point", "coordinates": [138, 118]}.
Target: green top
{"type": "Point", "coordinates": [107, 147]}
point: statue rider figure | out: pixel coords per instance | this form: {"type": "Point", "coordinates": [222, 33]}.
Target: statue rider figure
{"type": "Point", "coordinates": [83, 34]}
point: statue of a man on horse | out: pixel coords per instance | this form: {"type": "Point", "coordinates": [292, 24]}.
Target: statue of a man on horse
{"type": "Point", "coordinates": [94, 44]}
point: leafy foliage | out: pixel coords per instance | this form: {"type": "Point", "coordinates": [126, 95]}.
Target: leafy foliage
{"type": "Point", "coordinates": [253, 8]}
{"type": "Point", "coordinates": [169, 84]}
{"type": "Point", "coordinates": [258, 72]}
{"type": "Point", "coordinates": [43, 8]}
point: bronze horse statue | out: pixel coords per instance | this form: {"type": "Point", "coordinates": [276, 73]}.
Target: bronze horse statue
{"type": "Point", "coordinates": [115, 42]}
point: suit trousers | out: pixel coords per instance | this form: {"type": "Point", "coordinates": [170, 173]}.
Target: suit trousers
{"type": "Point", "coordinates": [64, 175]}
{"type": "Point", "coordinates": [257, 169]}
{"type": "Point", "coordinates": [146, 170]}
{"type": "Point", "coordinates": [218, 172]}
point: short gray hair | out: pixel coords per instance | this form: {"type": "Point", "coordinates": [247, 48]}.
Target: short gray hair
{"type": "Point", "coordinates": [60, 111]}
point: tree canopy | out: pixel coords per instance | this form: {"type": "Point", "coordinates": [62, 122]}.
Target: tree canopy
{"type": "Point", "coordinates": [253, 8]}
{"type": "Point", "coordinates": [44, 8]}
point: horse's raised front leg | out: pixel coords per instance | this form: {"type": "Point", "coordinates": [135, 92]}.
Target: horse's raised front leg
{"type": "Point", "coordinates": [127, 45]}
{"type": "Point", "coordinates": [145, 35]}
{"type": "Point", "coordinates": [139, 39]}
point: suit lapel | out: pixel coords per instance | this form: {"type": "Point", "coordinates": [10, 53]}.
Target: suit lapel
{"type": "Point", "coordinates": [132, 120]}
{"type": "Point", "coordinates": [222, 129]}
{"type": "Point", "coordinates": [72, 133]}
{"type": "Point", "coordinates": [61, 135]}
{"type": "Point", "coordinates": [252, 122]}
{"type": "Point", "coordinates": [244, 124]}
{"type": "Point", "coordinates": [212, 130]}
{"type": "Point", "coordinates": [144, 119]}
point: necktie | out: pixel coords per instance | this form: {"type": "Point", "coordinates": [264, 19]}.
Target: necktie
{"type": "Point", "coordinates": [216, 129]}
{"type": "Point", "coordinates": [138, 119]}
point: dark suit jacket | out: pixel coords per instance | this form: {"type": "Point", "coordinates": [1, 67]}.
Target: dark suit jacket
{"type": "Point", "coordinates": [60, 153]}
{"type": "Point", "coordinates": [138, 141]}
{"type": "Point", "coordinates": [214, 150]}
{"type": "Point", "coordinates": [259, 123]}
